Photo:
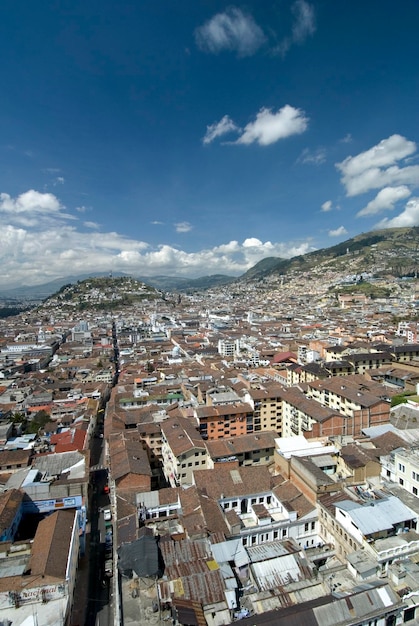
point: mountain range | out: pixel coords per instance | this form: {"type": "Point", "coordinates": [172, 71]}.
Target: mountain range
{"type": "Point", "coordinates": [392, 252]}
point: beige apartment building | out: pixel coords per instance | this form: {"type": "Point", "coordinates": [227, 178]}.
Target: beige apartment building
{"type": "Point", "coordinates": [353, 400]}
{"type": "Point", "coordinates": [183, 451]}
{"type": "Point", "coordinates": [267, 407]}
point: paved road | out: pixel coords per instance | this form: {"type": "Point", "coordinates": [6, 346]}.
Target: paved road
{"type": "Point", "coordinates": [92, 598]}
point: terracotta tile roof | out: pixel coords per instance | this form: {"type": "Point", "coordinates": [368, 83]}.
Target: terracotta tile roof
{"type": "Point", "coordinates": [213, 516]}
{"type": "Point", "coordinates": [229, 482]}
{"type": "Point", "coordinates": [388, 442]}
{"type": "Point", "coordinates": [127, 456]}
{"type": "Point", "coordinates": [169, 495]}
{"type": "Point", "coordinates": [15, 457]}
{"type": "Point", "coordinates": [10, 503]}
{"type": "Point", "coordinates": [280, 357]}
{"type": "Point", "coordinates": [357, 456]}
{"type": "Point", "coordinates": [126, 520]}
{"type": "Point", "coordinates": [349, 388]}
{"type": "Point", "coordinates": [308, 406]}
{"type": "Point", "coordinates": [293, 499]}
{"type": "Point", "coordinates": [51, 544]}
{"type": "Point", "coordinates": [329, 501]}
{"type": "Point", "coordinates": [223, 409]}
{"type": "Point", "coordinates": [181, 435]}
{"type": "Point", "coordinates": [239, 445]}
{"type": "Point", "coordinates": [72, 439]}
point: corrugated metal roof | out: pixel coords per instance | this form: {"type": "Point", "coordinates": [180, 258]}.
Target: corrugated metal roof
{"type": "Point", "coordinates": [206, 587]}
{"type": "Point", "coordinates": [57, 463]}
{"type": "Point", "coordinates": [233, 550]}
{"type": "Point", "coordinates": [271, 550]}
{"type": "Point", "coordinates": [277, 572]}
{"type": "Point", "coordinates": [378, 515]}
{"type": "Point", "coordinates": [350, 609]}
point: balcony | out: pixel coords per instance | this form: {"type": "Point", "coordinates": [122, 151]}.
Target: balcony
{"type": "Point", "coordinates": [397, 546]}
{"type": "Point", "coordinates": [320, 553]}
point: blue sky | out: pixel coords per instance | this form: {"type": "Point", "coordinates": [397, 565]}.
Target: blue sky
{"type": "Point", "coordinates": [193, 138]}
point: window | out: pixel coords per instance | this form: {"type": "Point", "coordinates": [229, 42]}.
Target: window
{"type": "Point", "coordinates": [415, 491]}
{"type": "Point", "coordinates": [401, 481]}
{"type": "Point", "coordinates": [402, 468]}
{"type": "Point", "coordinates": [306, 527]}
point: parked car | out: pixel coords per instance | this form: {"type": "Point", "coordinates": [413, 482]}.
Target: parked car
{"type": "Point", "coordinates": [108, 568]}
{"type": "Point", "coordinates": [107, 515]}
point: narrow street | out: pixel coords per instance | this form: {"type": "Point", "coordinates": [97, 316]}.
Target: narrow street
{"type": "Point", "coordinates": [93, 598]}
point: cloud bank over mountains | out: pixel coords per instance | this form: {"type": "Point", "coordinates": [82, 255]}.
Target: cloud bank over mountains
{"type": "Point", "coordinates": [41, 239]}
{"type": "Point", "coordinates": [197, 140]}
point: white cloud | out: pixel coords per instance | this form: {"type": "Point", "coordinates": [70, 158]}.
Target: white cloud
{"type": "Point", "coordinates": [407, 218]}
{"type": "Point", "coordinates": [385, 200]}
{"type": "Point", "coordinates": [316, 157]}
{"type": "Point", "coordinates": [57, 249]}
{"type": "Point", "coordinates": [347, 138]}
{"type": "Point", "coordinates": [269, 127]}
{"type": "Point", "coordinates": [183, 227]}
{"type": "Point", "coordinates": [326, 206]}
{"type": "Point", "coordinates": [29, 201]}
{"type": "Point", "coordinates": [338, 232]}
{"type": "Point", "coordinates": [32, 208]}
{"type": "Point", "coordinates": [225, 125]}
{"type": "Point", "coordinates": [232, 30]}
{"type": "Point", "coordinates": [304, 25]}
{"type": "Point", "coordinates": [376, 167]}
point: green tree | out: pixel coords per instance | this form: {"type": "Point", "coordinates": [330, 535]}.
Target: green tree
{"type": "Point", "coordinates": [40, 419]}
